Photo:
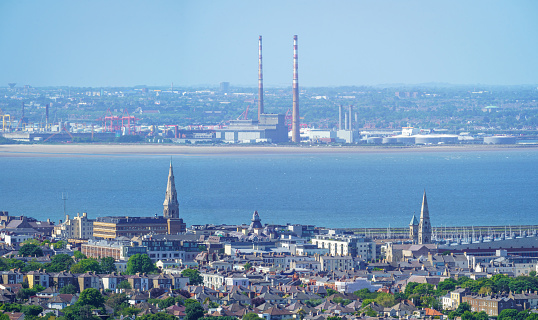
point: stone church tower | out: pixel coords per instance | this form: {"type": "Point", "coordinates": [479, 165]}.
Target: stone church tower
{"type": "Point", "coordinates": [413, 229]}
{"type": "Point", "coordinates": [171, 205]}
{"type": "Point", "coordinates": [424, 226]}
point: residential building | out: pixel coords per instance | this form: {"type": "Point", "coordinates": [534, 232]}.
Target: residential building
{"type": "Point", "coordinates": [329, 263]}
{"type": "Point", "coordinates": [347, 245]}
{"type": "Point", "coordinates": [492, 305]}
{"type": "Point", "coordinates": [80, 227]}
{"type": "Point", "coordinates": [115, 227]}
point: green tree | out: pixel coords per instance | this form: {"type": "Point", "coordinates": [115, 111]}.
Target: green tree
{"type": "Point", "coordinates": [448, 284]}
{"type": "Point", "coordinates": [410, 287]}
{"type": "Point", "coordinates": [107, 265]}
{"type": "Point", "coordinates": [330, 291]}
{"type": "Point", "coordinates": [508, 314]}
{"type": "Point", "coordinates": [140, 263]}
{"type": "Point", "coordinates": [32, 310]}
{"type": "Point", "coordinates": [194, 311]}
{"type": "Point", "coordinates": [79, 255]}
{"type": "Point", "coordinates": [86, 265]}
{"type": "Point", "coordinates": [68, 289]}
{"type": "Point", "coordinates": [31, 266]}
{"type": "Point", "coordinates": [247, 266]}
{"type": "Point", "coordinates": [124, 285]}
{"type": "Point", "coordinates": [32, 241]}
{"type": "Point", "coordinates": [79, 312]}
{"type": "Point", "coordinates": [467, 315]}
{"type": "Point", "coordinates": [31, 250]}
{"type": "Point", "coordinates": [532, 316]}
{"type": "Point", "coordinates": [385, 299]}
{"type": "Point", "coordinates": [485, 290]}
{"type": "Point", "coordinates": [365, 294]}
{"type": "Point", "coordinates": [194, 276]}
{"type": "Point", "coordinates": [251, 316]}
{"type": "Point", "coordinates": [60, 262]}
{"type": "Point", "coordinates": [313, 302]}
{"type": "Point", "coordinates": [423, 289]}
{"type": "Point", "coordinates": [130, 311]}
{"type": "Point", "coordinates": [26, 293]}
{"type": "Point", "coordinates": [482, 315]}
{"type": "Point", "coordinates": [59, 245]}
{"type": "Point", "coordinates": [91, 297]}
{"type": "Point", "coordinates": [462, 308]}
{"type": "Point", "coordinates": [117, 301]}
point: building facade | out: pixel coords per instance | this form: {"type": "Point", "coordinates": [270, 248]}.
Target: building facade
{"type": "Point", "coordinates": [347, 245]}
{"type": "Point", "coordinates": [80, 227]}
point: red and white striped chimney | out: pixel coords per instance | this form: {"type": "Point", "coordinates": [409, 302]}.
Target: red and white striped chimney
{"type": "Point", "coordinates": [295, 127]}
{"type": "Point", "coordinates": [260, 79]}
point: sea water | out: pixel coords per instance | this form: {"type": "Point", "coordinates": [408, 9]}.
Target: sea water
{"type": "Point", "coordinates": [332, 190]}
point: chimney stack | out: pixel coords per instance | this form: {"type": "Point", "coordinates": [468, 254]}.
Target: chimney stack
{"type": "Point", "coordinates": [260, 79]}
{"type": "Point", "coordinates": [295, 128]}
{"type": "Point", "coordinates": [340, 117]}
{"type": "Point", "coordinates": [350, 118]}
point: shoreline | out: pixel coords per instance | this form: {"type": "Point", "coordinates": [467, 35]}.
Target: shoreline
{"type": "Point", "coordinates": [76, 150]}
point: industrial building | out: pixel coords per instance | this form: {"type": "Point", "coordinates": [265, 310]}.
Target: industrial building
{"type": "Point", "coordinates": [270, 128]}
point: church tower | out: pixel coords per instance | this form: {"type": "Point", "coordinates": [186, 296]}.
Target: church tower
{"type": "Point", "coordinates": [424, 226]}
{"type": "Point", "coordinates": [171, 205]}
{"type": "Point", "coordinates": [413, 229]}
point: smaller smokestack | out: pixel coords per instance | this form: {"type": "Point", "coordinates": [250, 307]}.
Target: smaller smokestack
{"type": "Point", "coordinates": [351, 118]}
{"type": "Point", "coordinates": [340, 117]}
{"type": "Point", "coordinates": [346, 121]}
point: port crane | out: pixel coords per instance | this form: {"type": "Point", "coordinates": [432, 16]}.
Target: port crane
{"type": "Point", "coordinates": [4, 116]}
{"type": "Point", "coordinates": [244, 115]}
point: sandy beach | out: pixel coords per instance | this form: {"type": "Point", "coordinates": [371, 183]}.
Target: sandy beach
{"type": "Point", "coordinates": [65, 150]}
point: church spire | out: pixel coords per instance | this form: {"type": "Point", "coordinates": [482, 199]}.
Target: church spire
{"type": "Point", "coordinates": [171, 205]}
{"type": "Point", "coordinates": [424, 226]}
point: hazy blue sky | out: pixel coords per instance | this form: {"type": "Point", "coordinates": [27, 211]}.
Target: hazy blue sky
{"type": "Point", "coordinates": [125, 43]}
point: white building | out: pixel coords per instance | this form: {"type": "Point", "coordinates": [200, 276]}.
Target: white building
{"type": "Point", "coordinates": [357, 284]}
{"type": "Point", "coordinates": [347, 245]}
{"type": "Point", "coordinates": [16, 239]}
{"type": "Point", "coordinates": [236, 280]}
{"type": "Point", "coordinates": [80, 227]}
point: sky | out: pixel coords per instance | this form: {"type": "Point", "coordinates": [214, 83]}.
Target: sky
{"type": "Point", "coordinates": [102, 43]}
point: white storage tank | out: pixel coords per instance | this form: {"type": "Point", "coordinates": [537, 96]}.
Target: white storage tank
{"type": "Point", "coordinates": [390, 140]}
{"type": "Point", "coordinates": [405, 140]}
{"type": "Point", "coordinates": [500, 140]}
{"type": "Point", "coordinates": [374, 140]}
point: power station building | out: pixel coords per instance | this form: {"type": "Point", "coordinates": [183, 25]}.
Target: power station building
{"type": "Point", "coordinates": [270, 128]}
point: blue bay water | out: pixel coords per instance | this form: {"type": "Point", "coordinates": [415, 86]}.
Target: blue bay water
{"type": "Point", "coordinates": [333, 190]}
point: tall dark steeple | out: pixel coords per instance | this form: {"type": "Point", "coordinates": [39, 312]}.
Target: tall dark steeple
{"type": "Point", "coordinates": [424, 226]}
{"type": "Point", "coordinates": [171, 205]}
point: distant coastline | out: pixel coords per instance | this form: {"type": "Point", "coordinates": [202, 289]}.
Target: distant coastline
{"type": "Point", "coordinates": [65, 150]}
